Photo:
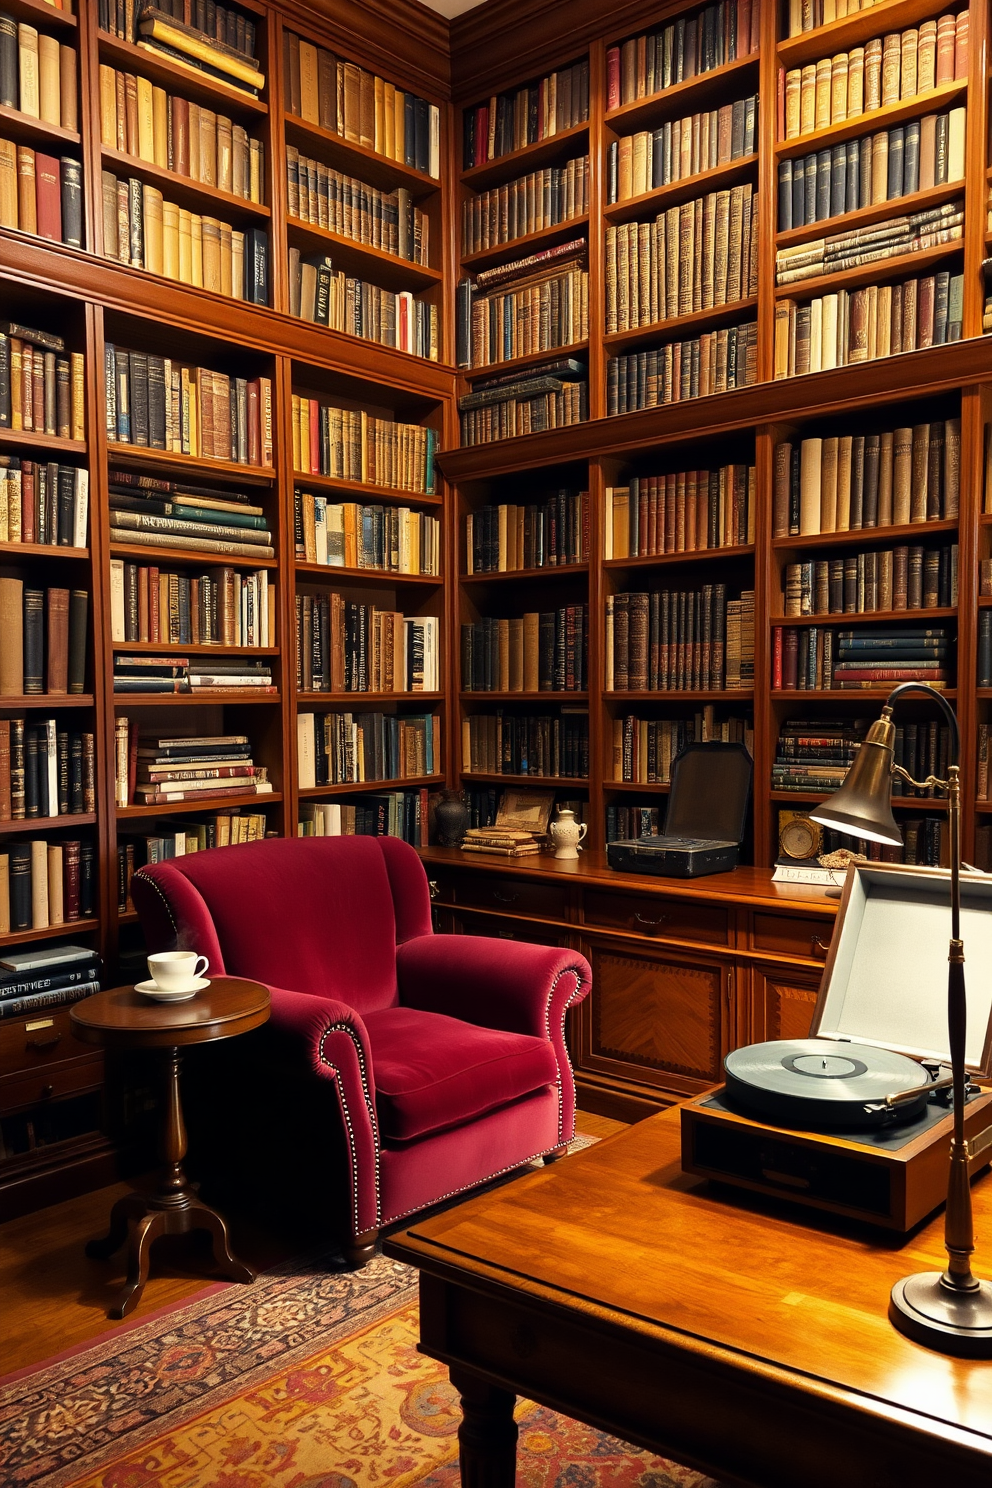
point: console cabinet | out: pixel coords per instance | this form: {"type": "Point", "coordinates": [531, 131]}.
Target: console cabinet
{"type": "Point", "coordinates": [682, 972]}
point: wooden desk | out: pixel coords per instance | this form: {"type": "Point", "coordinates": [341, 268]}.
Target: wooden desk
{"type": "Point", "coordinates": [745, 1340]}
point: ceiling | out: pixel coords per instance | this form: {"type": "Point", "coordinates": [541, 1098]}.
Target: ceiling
{"type": "Point", "coordinates": [451, 8]}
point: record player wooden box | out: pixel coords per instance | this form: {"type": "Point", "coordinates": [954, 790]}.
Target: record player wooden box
{"type": "Point", "coordinates": [883, 986]}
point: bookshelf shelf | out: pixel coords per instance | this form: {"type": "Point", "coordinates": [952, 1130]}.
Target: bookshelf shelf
{"type": "Point", "coordinates": [48, 701]}
{"type": "Point", "coordinates": [904, 265]}
{"type": "Point", "coordinates": [384, 269]}
{"type": "Point", "coordinates": [899, 803]}
{"type": "Point", "coordinates": [848, 694]}
{"type": "Point", "coordinates": [859, 617]}
{"type": "Point", "coordinates": [683, 98]}
{"type": "Point", "coordinates": [201, 698]}
{"type": "Point", "coordinates": [710, 695]}
{"type": "Point", "coordinates": [527, 575]}
{"type": "Point", "coordinates": [187, 82]}
{"type": "Point", "coordinates": [518, 364]}
{"type": "Point", "coordinates": [363, 787]}
{"type": "Point", "coordinates": [189, 467]}
{"type": "Point", "coordinates": [48, 823]}
{"type": "Point", "coordinates": [898, 206]}
{"type": "Point", "coordinates": [35, 131]}
{"type": "Point", "coordinates": [337, 571]}
{"type": "Point", "coordinates": [12, 551]}
{"type": "Point", "coordinates": [38, 13]}
{"type": "Point", "coordinates": [873, 535]}
{"type": "Point", "coordinates": [532, 242]}
{"type": "Point", "coordinates": [127, 917]}
{"type": "Point", "coordinates": [870, 122]}
{"type": "Point", "coordinates": [184, 648]}
{"type": "Point", "coordinates": [656, 787]}
{"type": "Point", "coordinates": [50, 932]}
{"type": "Point", "coordinates": [689, 555]}
{"type": "Point", "coordinates": [357, 160]}
{"type": "Point", "coordinates": [28, 439]}
{"type": "Point", "coordinates": [528, 697]}
{"type": "Point", "coordinates": [529, 158]}
{"type": "Point", "coordinates": [378, 495]}
{"type": "Point", "coordinates": [557, 782]}
{"type": "Point", "coordinates": [201, 558]}
{"type": "Point", "coordinates": [351, 700]}
{"type": "Point", "coordinates": [852, 30]}
{"type": "Point", "coordinates": [183, 190]}
{"type": "Point", "coordinates": [680, 327]}
{"type": "Point", "coordinates": [720, 178]}
{"type": "Point", "coordinates": [185, 808]}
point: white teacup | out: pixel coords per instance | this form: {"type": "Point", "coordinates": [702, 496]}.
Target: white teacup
{"type": "Point", "coordinates": [176, 971]}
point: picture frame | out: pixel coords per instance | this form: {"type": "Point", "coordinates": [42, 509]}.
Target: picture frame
{"type": "Point", "coordinates": [526, 811]}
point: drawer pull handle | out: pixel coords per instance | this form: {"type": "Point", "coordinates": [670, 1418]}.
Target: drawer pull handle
{"type": "Point", "coordinates": [646, 920]}
{"type": "Point", "coordinates": [44, 1043]}
{"type": "Point", "coordinates": [46, 1091]}
{"type": "Point", "coordinates": [502, 898]}
{"type": "Point", "coordinates": [434, 888]}
{"type": "Point", "coordinates": [817, 947]}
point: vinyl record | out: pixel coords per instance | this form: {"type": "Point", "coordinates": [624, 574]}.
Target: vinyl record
{"type": "Point", "coordinates": [816, 1082]}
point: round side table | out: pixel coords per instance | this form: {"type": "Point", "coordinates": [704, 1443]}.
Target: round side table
{"type": "Point", "coordinates": [121, 1018]}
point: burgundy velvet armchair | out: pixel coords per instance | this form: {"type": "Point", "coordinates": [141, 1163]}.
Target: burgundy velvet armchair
{"type": "Point", "coordinates": [440, 1058]}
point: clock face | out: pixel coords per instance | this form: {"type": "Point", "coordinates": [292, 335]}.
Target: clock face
{"type": "Point", "coordinates": [798, 839]}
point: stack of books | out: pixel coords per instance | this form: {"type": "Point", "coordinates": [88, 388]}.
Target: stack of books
{"type": "Point", "coordinates": [523, 308]}
{"type": "Point", "coordinates": [41, 389]}
{"type": "Point", "coordinates": [815, 754]}
{"type": "Point", "coordinates": [45, 503]}
{"type": "Point", "coordinates": [149, 511]}
{"type": "Point", "coordinates": [152, 772]}
{"type": "Point", "coordinates": [864, 245]}
{"type": "Point", "coordinates": [175, 674]}
{"type": "Point", "coordinates": [46, 977]}
{"type": "Point", "coordinates": [46, 883]}
{"type": "Point", "coordinates": [226, 52]}
{"type": "Point", "coordinates": [881, 658]}
{"type": "Point", "coordinates": [501, 842]}
{"type": "Point", "coordinates": [552, 395]}
{"type": "Point", "coordinates": [44, 770]}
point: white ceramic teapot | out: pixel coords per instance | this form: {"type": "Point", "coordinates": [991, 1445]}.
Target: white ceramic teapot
{"type": "Point", "coordinates": [567, 833]}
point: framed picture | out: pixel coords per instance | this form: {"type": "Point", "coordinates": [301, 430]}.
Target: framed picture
{"type": "Point", "coordinates": [526, 811]}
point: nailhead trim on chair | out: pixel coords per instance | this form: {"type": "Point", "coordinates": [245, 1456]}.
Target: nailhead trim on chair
{"type": "Point", "coordinates": [370, 1107]}
{"type": "Point", "coordinates": [168, 907]}
{"type": "Point", "coordinates": [568, 971]}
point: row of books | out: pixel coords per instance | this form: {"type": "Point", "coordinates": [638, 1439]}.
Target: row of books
{"type": "Point", "coordinates": [883, 71]}
{"type": "Point", "coordinates": [327, 198]}
{"type": "Point", "coordinates": [673, 640]}
{"type": "Point", "coordinates": [193, 37]}
{"type": "Point", "coordinates": [329, 297]}
{"type": "Point", "coordinates": [360, 106]}
{"type": "Point", "coordinates": [45, 977]}
{"type": "Point", "coordinates": [37, 74]}
{"type": "Point", "coordinates": [862, 325]}
{"type": "Point", "coordinates": [809, 15]}
{"type": "Point", "coordinates": [892, 238]}
{"type": "Point", "coordinates": [845, 482]}
{"type": "Point", "coordinates": [507, 538]}
{"type": "Point", "coordinates": [219, 607]}
{"type": "Point", "coordinates": [503, 743]}
{"type": "Point", "coordinates": [626, 822]}
{"type": "Point", "coordinates": [150, 771]}
{"type": "Point", "coordinates": [139, 118]}
{"type": "Point", "coordinates": [41, 194]}
{"type": "Point", "coordinates": [151, 511]}
{"type": "Point", "coordinates": [43, 502]}
{"type": "Point", "coordinates": [550, 397]}
{"type": "Point", "coordinates": [343, 646]}
{"type": "Point", "coordinates": [985, 648]}
{"type": "Point", "coordinates": [644, 748]}
{"type": "Point", "coordinates": [679, 148]}
{"type": "Point", "coordinates": [685, 48]}
{"type": "Point", "coordinates": [511, 121]}
{"type": "Point", "coordinates": [142, 229]}
{"type": "Point", "coordinates": [692, 257]}
{"type": "Point", "coordinates": [46, 770]}
{"type": "Point", "coordinates": [390, 539]}
{"type": "Point", "coordinates": [180, 839]}
{"type": "Point", "coordinates": [351, 444]}
{"type": "Point", "coordinates": [683, 512]}
{"type": "Point", "coordinates": [348, 748]}
{"type": "Point", "coordinates": [816, 755]}
{"type": "Point", "coordinates": [903, 578]}
{"type": "Point", "coordinates": [44, 640]}
{"type": "Point", "coordinates": [172, 675]}
{"type": "Point", "coordinates": [387, 539]}
{"type": "Point", "coordinates": [715, 362]}
{"type": "Point", "coordinates": [41, 388]}
{"type": "Point", "coordinates": [529, 204]}
{"type": "Point", "coordinates": [817, 657]}
{"type": "Point", "coordinates": [170, 405]}
{"type": "Point", "coordinates": [541, 306]}
{"type": "Point", "coordinates": [46, 883]}
{"type": "Point", "coordinates": [542, 651]}
{"type": "Point", "coordinates": [401, 814]}
{"type": "Point", "coordinates": [876, 168]}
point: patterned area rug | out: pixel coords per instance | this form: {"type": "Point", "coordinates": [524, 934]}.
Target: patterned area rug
{"type": "Point", "coordinates": [308, 1379]}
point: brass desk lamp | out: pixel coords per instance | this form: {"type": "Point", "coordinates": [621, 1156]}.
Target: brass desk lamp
{"type": "Point", "coordinates": [950, 1311]}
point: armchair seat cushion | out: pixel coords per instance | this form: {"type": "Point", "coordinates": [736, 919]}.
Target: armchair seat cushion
{"type": "Point", "coordinates": [433, 1072]}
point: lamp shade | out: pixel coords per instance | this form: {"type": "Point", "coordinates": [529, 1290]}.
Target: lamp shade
{"type": "Point", "coordinates": [862, 807]}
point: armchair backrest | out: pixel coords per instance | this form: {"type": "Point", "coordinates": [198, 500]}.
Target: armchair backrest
{"type": "Point", "coordinates": [321, 915]}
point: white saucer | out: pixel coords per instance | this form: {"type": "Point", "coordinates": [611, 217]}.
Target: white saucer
{"type": "Point", "coordinates": [156, 993]}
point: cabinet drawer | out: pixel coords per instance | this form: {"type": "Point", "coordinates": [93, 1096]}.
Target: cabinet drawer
{"type": "Point", "coordinates": [791, 935]}
{"type": "Point", "coordinates": [500, 929]}
{"type": "Point", "coordinates": [68, 1077]}
{"type": "Point", "coordinates": [27, 1043]}
{"type": "Point", "coordinates": [514, 895]}
{"type": "Point", "coordinates": [675, 919]}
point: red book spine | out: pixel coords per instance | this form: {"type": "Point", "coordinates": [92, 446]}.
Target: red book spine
{"type": "Point", "coordinates": [48, 185]}
{"type": "Point", "coordinates": [70, 879]}
{"type": "Point", "coordinates": [254, 426]}
{"type": "Point", "coordinates": [790, 658]}
{"type": "Point", "coordinates": [154, 608]}
{"type": "Point", "coordinates": [776, 658]}
{"type": "Point", "coordinates": [613, 78]}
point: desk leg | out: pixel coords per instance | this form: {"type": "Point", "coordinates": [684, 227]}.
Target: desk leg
{"type": "Point", "coordinates": [487, 1436]}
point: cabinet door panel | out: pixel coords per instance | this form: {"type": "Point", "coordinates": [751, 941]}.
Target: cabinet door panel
{"type": "Point", "coordinates": [781, 1004]}
{"type": "Point", "coordinates": [659, 1020]}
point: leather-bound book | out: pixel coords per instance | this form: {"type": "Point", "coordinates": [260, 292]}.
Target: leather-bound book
{"type": "Point", "coordinates": [56, 906]}
{"type": "Point", "coordinates": [34, 640]}
{"type": "Point", "coordinates": [12, 630]}
{"type": "Point", "coordinates": [19, 855]}
{"type": "Point", "coordinates": [935, 471]}
{"type": "Point", "coordinates": [886, 477]}
{"type": "Point", "coordinates": [18, 808]}
{"type": "Point", "coordinates": [637, 672]}
{"type": "Point", "coordinates": [29, 101]}
{"type": "Point", "coordinates": [952, 468]}
{"type": "Point", "coordinates": [71, 870]}
{"type": "Point", "coordinates": [39, 885]}
{"type": "Point", "coordinates": [8, 62]}
{"type": "Point", "coordinates": [57, 671]}
{"type": "Point", "coordinates": [6, 804]}
{"type": "Point", "coordinates": [869, 508]}
{"type": "Point", "coordinates": [49, 196]}
{"type": "Point", "coordinates": [27, 190]}
{"type": "Point", "coordinates": [78, 619]}
{"type": "Point", "coordinates": [920, 470]}
{"type": "Point", "coordinates": [873, 73]}
{"type": "Point", "coordinates": [8, 197]}
{"type": "Point", "coordinates": [71, 178]}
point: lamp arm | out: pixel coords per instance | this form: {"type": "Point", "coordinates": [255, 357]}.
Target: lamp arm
{"type": "Point", "coordinates": [937, 697]}
{"type": "Point", "coordinates": [920, 784]}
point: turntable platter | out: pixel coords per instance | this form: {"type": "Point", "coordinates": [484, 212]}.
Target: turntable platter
{"type": "Point", "coordinates": [817, 1082]}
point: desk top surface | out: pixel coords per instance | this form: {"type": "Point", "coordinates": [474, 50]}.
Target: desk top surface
{"type": "Point", "coordinates": [620, 1232]}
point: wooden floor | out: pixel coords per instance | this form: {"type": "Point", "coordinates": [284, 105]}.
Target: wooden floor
{"type": "Point", "coordinates": [54, 1298]}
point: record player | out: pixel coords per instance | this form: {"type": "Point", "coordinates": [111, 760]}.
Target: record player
{"type": "Point", "coordinates": [856, 1119]}
{"type": "Point", "coordinates": [704, 824]}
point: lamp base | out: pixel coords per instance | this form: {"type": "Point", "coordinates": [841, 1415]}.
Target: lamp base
{"type": "Point", "coordinates": [936, 1315]}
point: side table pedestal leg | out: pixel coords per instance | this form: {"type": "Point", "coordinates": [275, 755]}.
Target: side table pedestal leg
{"type": "Point", "coordinates": [139, 1248]}
{"type": "Point", "coordinates": [202, 1218]}
{"type": "Point", "coordinates": [124, 1213]}
{"type": "Point", "coordinates": [487, 1436]}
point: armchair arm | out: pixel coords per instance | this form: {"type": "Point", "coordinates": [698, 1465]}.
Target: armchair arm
{"type": "Point", "coordinates": [330, 1038]}
{"type": "Point", "coordinates": [499, 984]}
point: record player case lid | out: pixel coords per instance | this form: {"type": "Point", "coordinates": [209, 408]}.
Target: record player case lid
{"type": "Point", "coordinates": [709, 793]}
{"type": "Point", "coordinates": [885, 979]}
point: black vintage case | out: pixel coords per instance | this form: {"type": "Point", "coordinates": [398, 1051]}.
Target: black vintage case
{"type": "Point", "coordinates": [704, 825]}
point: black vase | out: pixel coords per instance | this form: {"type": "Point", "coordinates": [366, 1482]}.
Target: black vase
{"type": "Point", "coordinates": [450, 818]}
